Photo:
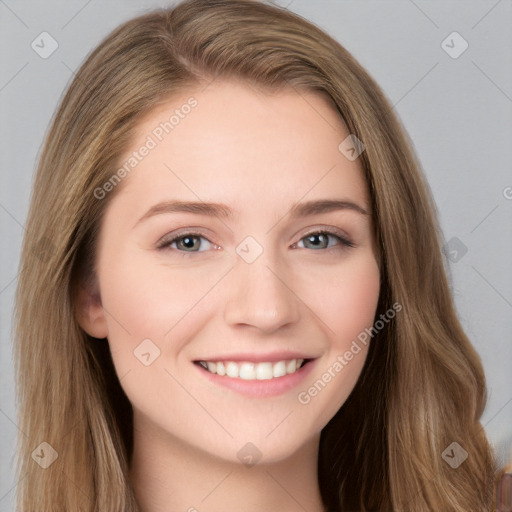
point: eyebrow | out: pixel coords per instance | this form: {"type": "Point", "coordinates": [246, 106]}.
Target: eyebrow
{"type": "Point", "coordinates": [298, 210]}
{"type": "Point", "coordinates": [325, 206]}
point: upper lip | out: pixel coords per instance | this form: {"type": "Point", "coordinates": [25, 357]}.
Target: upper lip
{"type": "Point", "coordinates": [252, 357]}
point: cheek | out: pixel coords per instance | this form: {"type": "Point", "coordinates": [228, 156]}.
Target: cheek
{"type": "Point", "coordinates": [147, 307]}
{"type": "Point", "coordinates": [129, 305]}
{"type": "Point", "coordinates": [348, 299]}
{"type": "Point", "coordinates": [134, 309]}
{"type": "Point", "coordinates": [347, 309]}
{"type": "Point", "coordinates": [144, 300]}
{"type": "Point", "coordinates": [357, 301]}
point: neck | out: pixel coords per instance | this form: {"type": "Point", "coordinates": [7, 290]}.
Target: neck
{"type": "Point", "coordinates": [168, 476]}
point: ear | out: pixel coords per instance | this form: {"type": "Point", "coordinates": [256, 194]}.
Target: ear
{"type": "Point", "coordinates": [90, 313]}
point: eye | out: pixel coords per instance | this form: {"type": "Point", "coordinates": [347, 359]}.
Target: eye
{"type": "Point", "coordinates": [323, 240]}
{"type": "Point", "coordinates": [196, 242]}
{"type": "Point", "coordinates": [188, 242]}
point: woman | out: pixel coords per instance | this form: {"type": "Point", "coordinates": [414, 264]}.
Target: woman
{"type": "Point", "coordinates": [232, 294]}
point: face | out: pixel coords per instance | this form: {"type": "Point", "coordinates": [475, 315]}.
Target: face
{"type": "Point", "coordinates": [236, 269]}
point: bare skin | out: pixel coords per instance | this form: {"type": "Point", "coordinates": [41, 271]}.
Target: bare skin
{"type": "Point", "coordinates": [200, 445]}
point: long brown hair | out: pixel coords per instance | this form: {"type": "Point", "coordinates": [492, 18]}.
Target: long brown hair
{"type": "Point", "coordinates": [422, 387]}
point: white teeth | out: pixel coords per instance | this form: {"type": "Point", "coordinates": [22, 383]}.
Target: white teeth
{"type": "Point", "coordinates": [291, 366]}
{"type": "Point", "coordinates": [232, 370]}
{"type": "Point", "coordinates": [264, 371]}
{"type": "Point", "coordinates": [247, 371]}
{"type": "Point", "coordinates": [279, 369]}
{"type": "Point", "coordinates": [253, 371]}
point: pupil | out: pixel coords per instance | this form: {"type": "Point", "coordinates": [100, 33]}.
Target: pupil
{"type": "Point", "coordinates": [317, 240]}
{"type": "Point", "coordinates": [189, 242]}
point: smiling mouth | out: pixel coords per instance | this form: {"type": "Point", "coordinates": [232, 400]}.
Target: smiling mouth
{"type": "Point", "coordinates": [254, 371]}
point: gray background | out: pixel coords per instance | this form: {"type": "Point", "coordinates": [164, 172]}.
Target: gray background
{"type": "Point", "coordinates": [456, 110]}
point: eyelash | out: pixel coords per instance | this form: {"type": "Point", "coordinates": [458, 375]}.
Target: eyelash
{"type": "Point", "coordinates": [344, 242]}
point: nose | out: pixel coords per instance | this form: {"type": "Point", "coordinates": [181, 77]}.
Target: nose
{"type": "Point", "coordinates": [261, 296]}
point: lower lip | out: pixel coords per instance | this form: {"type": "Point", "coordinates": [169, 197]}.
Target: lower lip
{"type": "Point", "coordinates": [260, 388]}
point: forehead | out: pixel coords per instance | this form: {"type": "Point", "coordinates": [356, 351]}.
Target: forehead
{"type": "Point", "coordinates": [233, 137]}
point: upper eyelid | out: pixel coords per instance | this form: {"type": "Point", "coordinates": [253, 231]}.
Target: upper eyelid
{"type": "Point", "coordinates": [181, 233]}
